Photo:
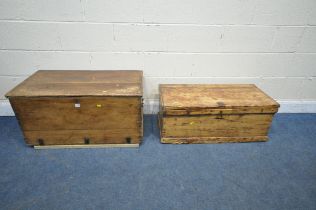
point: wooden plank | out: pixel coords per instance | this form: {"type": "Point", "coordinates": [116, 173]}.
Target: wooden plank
{"type": "Point", "coordinates": [205, 139]}
{"type": "Point", "coordinates": [243, 125]}
{"type": "Point", "coordinates": [80, 76]}
{"type": "Point", "coordinates": [93, 146]}
{"type": "Point", "coordinates": [211, 140]}
{"type": "Point", "coordinates": [174, 111]}
{"type": "Point", "coordinates": [180, 99]}
{"type": "Point", "coordinates": [66, 137]}
{"type": "Point", "coordinates": [77, 89]}
{"type": "Point", "coordinates": [57, 113]}
{"type": "Point", "coordinates": [80, 83]}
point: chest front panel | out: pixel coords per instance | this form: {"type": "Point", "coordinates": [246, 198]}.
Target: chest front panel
{"type": "Point", "coordinates": [69, 120]}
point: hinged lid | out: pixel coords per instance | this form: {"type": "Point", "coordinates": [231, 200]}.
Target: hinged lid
{"type": "Point", "coordinates": [179, 99]}
{"type": "Point", "coordinates": [80, 83]}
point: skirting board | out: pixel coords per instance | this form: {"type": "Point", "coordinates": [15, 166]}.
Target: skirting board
{"type": "Point", "coordinates": [151, 106]}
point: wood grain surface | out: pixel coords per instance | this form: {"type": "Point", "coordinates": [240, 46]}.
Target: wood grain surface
{"type": "Point", "coordinates": [214, 113]}
{"type": "Point", "coordinates": [58, 121]}
{"type": "Point", "coordinates": [80, 83]}
{"type": "Point", "coordinates": [80, 107]}
{"type": "Point", "coordinates": [212, 140]}
{"type": "Point", "coordinates": [185, 99]}
{"type": "Point", "coordinates": [217, 126]}
{"type": "Point", "coordinates": [60, 113]}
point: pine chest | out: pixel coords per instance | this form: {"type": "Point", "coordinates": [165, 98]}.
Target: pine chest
{"type": "Point", "coordinates": [80, 107]}
{"type": "Point", "coordinates": [214, 113]}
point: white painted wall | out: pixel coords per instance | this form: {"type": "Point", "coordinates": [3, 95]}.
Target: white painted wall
{"type": "Point", "coordinates": [271, 43]}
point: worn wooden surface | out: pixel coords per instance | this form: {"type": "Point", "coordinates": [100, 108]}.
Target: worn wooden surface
{"type": "Point", "coordinates": [188, 99]}
{"type": "Point", "coordinates": [55, 115]}
{"type": "Point", "coordinates": [56, 120]}
{"type": "Point", "coordinates": [215, 128]}
{"type": "Point", "coordinates": [60, 113]}
{"type": "Point", "coordinates": [211, 140]}
{"type": "Point", "coordinates": [80, 83]}
{"type": "Point", "coordinates": [214, 113]}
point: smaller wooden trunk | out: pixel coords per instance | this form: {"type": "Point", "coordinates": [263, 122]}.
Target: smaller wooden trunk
{"type": "Point", "coordinates": [80, 108]}
{"type": "Point", "coordinates": [214, 113]}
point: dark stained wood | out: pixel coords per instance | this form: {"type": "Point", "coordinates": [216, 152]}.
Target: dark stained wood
{"type": "Point", "coordinates": [80, 83]}
{"type": "Point", "coordinates": [179, 99]}
{"type": "Point", "coordinates": [68, 107]}
{"type": "Point", "coordinates": [214, 113]}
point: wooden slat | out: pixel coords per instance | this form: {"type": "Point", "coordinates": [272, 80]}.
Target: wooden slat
{"type": "Point", "coordinates": [169, 111]}
{"type": "Point", "coordinates": [211, 140]}
{"type": "Point", "coordinates": [57, 113]}
{"type": "Point", "coordinates": [77, 89]}
{"type": "Point", "coordinates": [80, 83]}
{"type": "Point", "coordinates": [75, 76]}
{"type": "Point", "coordinates": [244, 125]}
{"type": "Point", "coordinates": [201, 99]}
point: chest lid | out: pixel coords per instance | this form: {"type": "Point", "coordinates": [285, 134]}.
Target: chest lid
{"type": "Point", "coordinates": [80, 83]}
{"type": "Point", "coordinates": [199, 99]}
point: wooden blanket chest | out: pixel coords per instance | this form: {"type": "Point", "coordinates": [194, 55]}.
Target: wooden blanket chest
{"type": "Point", "coordinates": [80, 108]}
{"type": "Point", "coordinates": [214, 113]}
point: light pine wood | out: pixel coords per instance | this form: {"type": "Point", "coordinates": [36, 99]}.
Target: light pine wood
{"type": "Point", "coordinates": [211, 140]}
{"type": "Point", "coordinates": [212, 125]}
{"type": "Point", "coordinates": [214, 113]}
{"type": "Point", "coordinates": [198, 99]}
{"type": "Point", "coordinates": [80, 107]}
